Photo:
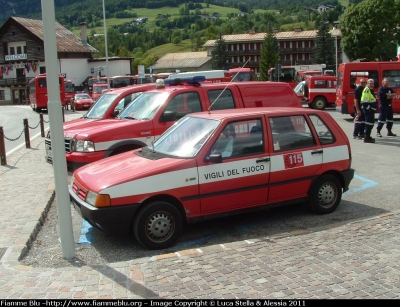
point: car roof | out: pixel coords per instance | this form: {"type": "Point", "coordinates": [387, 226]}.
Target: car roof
{"type": "Point", "coordinates": [274, 111]}
{"type": "Point", "coordinates": [131, 88]}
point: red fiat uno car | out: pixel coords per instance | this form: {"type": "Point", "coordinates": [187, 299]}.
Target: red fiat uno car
{"type": "Point", "coordinates": [213, 163]}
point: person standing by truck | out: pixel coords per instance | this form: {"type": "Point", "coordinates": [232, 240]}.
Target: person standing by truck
{"type": "Point", "coordinates": [359, 119]}
{"type": "Point", "coordinates": [385, 109]}
{"type": "Point", "coordinates": [369, 106]}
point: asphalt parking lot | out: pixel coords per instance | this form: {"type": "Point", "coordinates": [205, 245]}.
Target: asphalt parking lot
{"type": "Point", "coordinates": [373, 192]}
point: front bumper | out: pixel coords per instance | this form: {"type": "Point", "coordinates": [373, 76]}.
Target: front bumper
{"type": "Point", "coordinates": [108, 219]}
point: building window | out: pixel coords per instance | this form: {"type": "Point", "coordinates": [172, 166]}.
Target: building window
{"type": "Point", "coordinates": [19, 50]}
{"type": "Point", "coordinates": [2, 95]}
{"type": "Point", "coordinates": [24, 47]}
{"type": "Point", "coordinates": [12, 50]}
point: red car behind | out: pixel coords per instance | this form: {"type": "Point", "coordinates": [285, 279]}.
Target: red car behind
{"type": "Point", "coordinates": [83, 101]}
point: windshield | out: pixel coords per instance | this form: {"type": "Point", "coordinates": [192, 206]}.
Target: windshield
{"type": "Point", "coordinates": [99, 89]}
{"type": "Point", "coordinates": [241, 76]}
{"type": "Point", "coordinates": [299, 87]}
{"type": "Point", "coordinates": [101, 106]}
{"type": "Point", "coordinates": [121, 82]}
{"type": "Point", "coordinates": [186, 137]}
{"type": "Point", "coordinates": [69, 88]}
{"type": "Point", "coordinates": [145, 106]}
{"type": "Point", "coordinates": [82, 96]}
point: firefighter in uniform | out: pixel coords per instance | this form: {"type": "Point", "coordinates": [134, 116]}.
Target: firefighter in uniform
{"type": "Point", "coordinates": [369, 107]}
{"type": "Point", "coordinates": [385, 109]}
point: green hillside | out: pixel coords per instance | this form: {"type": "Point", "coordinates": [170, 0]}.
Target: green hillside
{"type": "Point", "coordinates": [159, 51]}
{"type": "Point", "coordinates": [151, 14]}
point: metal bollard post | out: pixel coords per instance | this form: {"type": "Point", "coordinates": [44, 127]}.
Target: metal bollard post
{"type": "Point", "coordinates": [26, 130]}
{"type": "Point", "coordinates": [63, 114]}
{"type": "Point", "coordinates": [41, 124]}
{"type": "Point", "coordinates": [2, 147]}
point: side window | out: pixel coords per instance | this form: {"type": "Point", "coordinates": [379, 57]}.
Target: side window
{"type": "Point", "coordinates": [291, 132]}
{"type": "Point", "coordinates": [240, 138]}
{"type": "Point", "coordinates": [193, 102]}
{"type": "Point", "coordinates": [221, 100]}
{"type": "Point", "coordinates": [393, 76]}
{"type": "Point", "coordinates": [355, 76]}
{"type": "Point", "coordinates": [324, 133]}
{"type": "Point", "coordinates": [184, 103]}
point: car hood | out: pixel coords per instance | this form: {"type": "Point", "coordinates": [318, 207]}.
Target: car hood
{"type": "Point", "coordinates": [125, 167]}
{"type": "Point", "coordinates": [79, 122]}
{"type": "Point", "coordinates": [100, 127]}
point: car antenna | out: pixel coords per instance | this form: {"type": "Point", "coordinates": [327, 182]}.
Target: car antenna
{"type": "Point", "coordinates": [209, 109]}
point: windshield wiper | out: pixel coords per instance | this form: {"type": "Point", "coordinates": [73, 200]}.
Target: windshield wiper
{"type": "Point", "coordinates": [129, 117]}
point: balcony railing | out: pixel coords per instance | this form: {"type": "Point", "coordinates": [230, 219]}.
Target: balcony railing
{"type": "Point", "coordinates": [15, 81]}
{"type": "Point", "coordinates": [296, 50]}
{"type": "Point", "coordinates": [243, 52]}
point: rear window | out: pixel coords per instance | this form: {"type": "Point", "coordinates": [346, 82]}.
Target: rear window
{"type": "Point", "coordinates": [221, 100]}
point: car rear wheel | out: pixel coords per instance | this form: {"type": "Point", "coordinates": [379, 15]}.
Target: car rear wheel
{"type": "Point", "coordinates": [325, 194]}
{"type": "Point", "coordinates": [157, 225]}
{"type": "Point", "coordinates": [319, 103]}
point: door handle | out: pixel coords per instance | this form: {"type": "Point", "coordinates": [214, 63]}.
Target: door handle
{"type": "Point", "coordinates": [317, 152]}
{"type": "Point", "coordinates": [263, 160]}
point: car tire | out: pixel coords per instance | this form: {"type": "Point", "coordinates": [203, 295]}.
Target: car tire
{"type": "Point", "coordinates": [325, 194]}
{"type": "Point", "coordinates": [157, 225]}
{"type": "Point", "coordinates": [319, 103]}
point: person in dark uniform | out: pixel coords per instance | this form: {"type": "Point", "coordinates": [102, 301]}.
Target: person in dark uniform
{"type": "Point", "coordinates": [369, 107]}
{"type": "Point", "coordinates": [385, 109]}
{"type": "Point", "coordinates": [359, 119]}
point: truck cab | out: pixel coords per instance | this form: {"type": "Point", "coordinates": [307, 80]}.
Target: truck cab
{"type": "Point", "coordinates": [318, 92]}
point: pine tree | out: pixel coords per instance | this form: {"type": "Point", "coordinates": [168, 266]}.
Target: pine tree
{"type": "Point", "coordinates": [324, 52]}
{"type": "Point", "coordinates": [269, 54]}
{"type": "Point", "coordinates": [219, 54]}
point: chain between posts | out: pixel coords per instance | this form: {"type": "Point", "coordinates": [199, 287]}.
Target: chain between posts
{"type": "Point", "coordinates": [25, 130]}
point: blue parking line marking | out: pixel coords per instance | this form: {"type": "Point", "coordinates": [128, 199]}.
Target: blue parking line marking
{"type": "Point", "coordinates": [86, 236]}
{"type": "Point", "coordinates": [198, 241]}
{"type": "Point", "coordinates": [368, 184]}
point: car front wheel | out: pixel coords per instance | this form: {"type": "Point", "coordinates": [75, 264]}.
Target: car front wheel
{"type": "Point", "coordinates": [319, 103]}
{"type": "Point", "coordinates": [157, 225]}
{"type": "Point", "coordinates": [325, 194]}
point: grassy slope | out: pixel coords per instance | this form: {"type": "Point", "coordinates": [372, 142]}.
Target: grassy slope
{"type": "Point", "coordinates": [151, 14]}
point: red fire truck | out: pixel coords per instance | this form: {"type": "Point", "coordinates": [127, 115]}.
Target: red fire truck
{"type": "Point", "coordinates": [349, 75]}
{"type": "Point", "coordinates": [318, 92]}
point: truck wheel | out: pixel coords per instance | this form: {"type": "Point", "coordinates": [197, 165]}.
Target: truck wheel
{"type": "Point", "coordinates": [157, 225]}
{"type": "Point", "coordinates": [319, 103]}
{"type": "Point", "coordinates": [325, 194]}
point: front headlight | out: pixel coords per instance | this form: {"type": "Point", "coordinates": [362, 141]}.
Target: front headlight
{"type": "Point", "coordinates": [98, 200]}
{"type": "Point", "coordinates": [83, 146]}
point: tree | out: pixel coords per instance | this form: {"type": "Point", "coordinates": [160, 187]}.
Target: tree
{"type": "Point", "coordinates": [324, 51]}
{"type": "Point", "coordinates": [219, 54]}
{"type": "Point", "coordinates": [269, 54]}
{"type": "Point", "coordinates": [370, 31]}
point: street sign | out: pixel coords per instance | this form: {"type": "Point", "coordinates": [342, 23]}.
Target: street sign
{"type": "Point", "coordinates": [141, 73]}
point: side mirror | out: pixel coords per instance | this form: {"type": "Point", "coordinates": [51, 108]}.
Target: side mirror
{"type": "Point", "coordinates": [214, 158]}
{"type": "Point", "coordinates": [169, 116]}
{"type": "Point", "coordinates": [116, 113]}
